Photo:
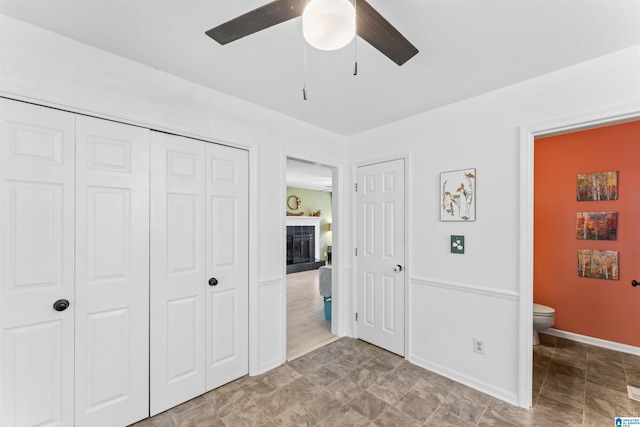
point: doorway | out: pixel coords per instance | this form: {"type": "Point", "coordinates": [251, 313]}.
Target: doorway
{"type": "Point", "coordinates": [527, 136]}
{"type": "Point", "coordinates": [575, 178]}
{"type": "Point", "coordinates": [310, 232]}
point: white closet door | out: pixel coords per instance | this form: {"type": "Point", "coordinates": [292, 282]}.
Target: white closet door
{"type": "Point", "coordinates": [178, 281]}
{"type": "Point", "coordinates": [36, 265]}
{"type": "Point", "coordinates": [112, 273]}
{"type": "Point", "coordinates": [227, 264]}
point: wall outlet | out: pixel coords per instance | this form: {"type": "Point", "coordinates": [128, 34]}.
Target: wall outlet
{"type": "Point", "coordinates": [478, 346]}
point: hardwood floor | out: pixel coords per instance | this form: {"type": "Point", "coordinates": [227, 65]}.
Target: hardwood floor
{"type": "Point", "coordinates": [307, 328]}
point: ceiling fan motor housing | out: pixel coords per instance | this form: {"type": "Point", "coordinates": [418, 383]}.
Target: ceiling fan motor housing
{"type": "Point", "coordinates": [329, 24]}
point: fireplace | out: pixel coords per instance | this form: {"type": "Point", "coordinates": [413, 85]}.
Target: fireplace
{"type": "Point", "coordinates": [303, 243]}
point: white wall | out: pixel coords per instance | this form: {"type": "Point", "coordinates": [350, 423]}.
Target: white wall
{"type": "Point", "coordinates": [47, 69]}
{"type": "Point", "coordinates": [454, 298]}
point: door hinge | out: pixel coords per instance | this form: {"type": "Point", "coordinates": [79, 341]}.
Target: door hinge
{"type": "Point", "coordinates": [356, 187]}
{"type": "Point", "coordinates": [356, 251]}
{"type": "Point", "coordinates": [356, 317]}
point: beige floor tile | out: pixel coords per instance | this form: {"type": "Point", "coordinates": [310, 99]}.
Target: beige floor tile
{"type": "Point", "coordinates": [350, 382]}
{"type": "Point", "coordinates": [560, 409]}
{"type": "Point", "coordinates": [250, 416]}
{"type": "Point", "coordinates": [195, 415]}
{"type": "Point", "coordinates": [607, 402]}
{"type": "Point", "coordinates": [436, 389]}
{"type": "Point", "coordinates": [301, 388]}
{"type": "Point", "coordinates": [543, 419]}
{"type": "Point", "coordinates": [276, 403]}
{"type": "Point", "coordinates": [344, 389]}
{"type": "Point", "coordinates": [417, 407]}
{"type": "Point", "coordinates": [295, 416]}
{"type": "Point", "coordinates": [368, 405]}
{"type": "Point", "coordinates": [393, 417]}
{"type": "Point", "coordinates": [443, 418]}
{"type": "Point", "coordinates": [607, 381]}
{"type": "Point", "coordinates": [321, 404]}
{"type": "Point", "coordinates": [345, 416]}
{"type": "Point", "coordinates": [464, 408]}
{"type": "Point", "coordinates": [499, 413]}
{"type": "Point", "coordinates": [388, 391]}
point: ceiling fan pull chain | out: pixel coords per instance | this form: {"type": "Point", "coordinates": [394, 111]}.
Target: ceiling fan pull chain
{"type": "Point", "coordinates": [355, 42]}
{"type": "Point", "coordinates": [304, 88]}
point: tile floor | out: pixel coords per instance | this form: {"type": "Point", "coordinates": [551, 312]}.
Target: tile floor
{"type": "Point", "coordinates": [350, 382]}
{"type": "Point", "coordinates": [577, 384]}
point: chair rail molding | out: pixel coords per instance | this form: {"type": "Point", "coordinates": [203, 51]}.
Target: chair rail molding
{"type": "Point", "coordinates": [467, 288]}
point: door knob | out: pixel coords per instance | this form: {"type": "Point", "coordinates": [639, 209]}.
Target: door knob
{"type": "Point", "coordinates": [61, 305]}
{"type": "Point", "coordinates": [213, 281]}
{"type": "Point", "coordinates": [635, 283]}
{"type": "Point", "coordinates": [397, 268]}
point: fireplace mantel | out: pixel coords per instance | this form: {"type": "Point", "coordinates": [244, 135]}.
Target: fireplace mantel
{"type": "Point", "coordinates": [305, 220]}
{"type": "Point", "coordinates": [315, 221]}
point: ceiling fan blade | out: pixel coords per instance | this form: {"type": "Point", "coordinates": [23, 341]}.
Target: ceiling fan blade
{"type": "Point", "coordinates": [379, 33]}
{"type": "Point", "coordinates": [263, 17]}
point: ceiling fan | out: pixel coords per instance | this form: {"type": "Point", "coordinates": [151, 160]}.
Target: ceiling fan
{"type": "Point", "coordinates": [367, 23]}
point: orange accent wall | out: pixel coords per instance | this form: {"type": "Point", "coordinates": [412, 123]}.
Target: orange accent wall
{"type": "Point", "coordinates": [605, 309]}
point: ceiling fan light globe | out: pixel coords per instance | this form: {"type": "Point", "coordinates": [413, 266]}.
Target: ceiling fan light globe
{"type": "Point", "coordinates": [329, 24]}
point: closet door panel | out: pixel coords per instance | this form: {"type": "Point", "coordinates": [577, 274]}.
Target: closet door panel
{"type": "Point", "coordinates": [112, 273]}
{"type": "Point", "coordinates": [178, 279]}
{"type": "Point", "coordinates": [227, 262]}
{"type": "Point", "coordinates": [36, 265]}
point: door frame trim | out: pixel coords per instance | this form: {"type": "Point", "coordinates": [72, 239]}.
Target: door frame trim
{"type": "Point", "coordinates": [525, 263]}
{"type": "Point", "coordinates": [402, 155]}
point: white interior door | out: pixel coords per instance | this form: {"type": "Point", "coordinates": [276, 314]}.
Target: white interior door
{"type": "Point", "coordinates": [227, 264]}
{"type": "Point", "coordinates": [380, 258]}
{"type": "Point", "coordinates": [112, 273]}
{"type": "Point", "coordinates": [178, 281]}
{"type": "Point", "coordinates": [37, 265]}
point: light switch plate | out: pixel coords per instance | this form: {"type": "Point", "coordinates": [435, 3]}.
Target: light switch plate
{"type": "Point", "coordinates": [457, 244]}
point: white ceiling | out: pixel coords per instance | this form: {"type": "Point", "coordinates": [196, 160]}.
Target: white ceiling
{"type": "Point", "coordinates": [308, 175]}
{"type": "Point", "coordinates": [467, 47]}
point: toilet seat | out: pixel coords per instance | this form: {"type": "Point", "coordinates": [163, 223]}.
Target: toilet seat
{"type": "Point", "coordinates": [543, 310]}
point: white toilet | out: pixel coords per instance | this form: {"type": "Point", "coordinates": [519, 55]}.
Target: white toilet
{"type": "Point", "coordinates": [543, 318]}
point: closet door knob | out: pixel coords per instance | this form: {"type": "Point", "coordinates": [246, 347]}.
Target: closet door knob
{"type": "Point", "coordinates": [61, 305]}
{"type": "Point", "coordinates": [213, 281]}
{"type": "Point", "coordinates": [635, 283]}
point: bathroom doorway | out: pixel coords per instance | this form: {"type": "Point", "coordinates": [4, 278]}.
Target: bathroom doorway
{"type": "Point", "coordinates": [526, 247]}
{"type": "Point", "coordinates": [310, 232]}
{"type": "Point", "coordinates": [588, 177]}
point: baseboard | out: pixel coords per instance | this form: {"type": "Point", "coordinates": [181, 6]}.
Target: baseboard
{"type": "Point", "coordinates": [624, 348]}
{"type": "Point", "coordinates": [466, 380]}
